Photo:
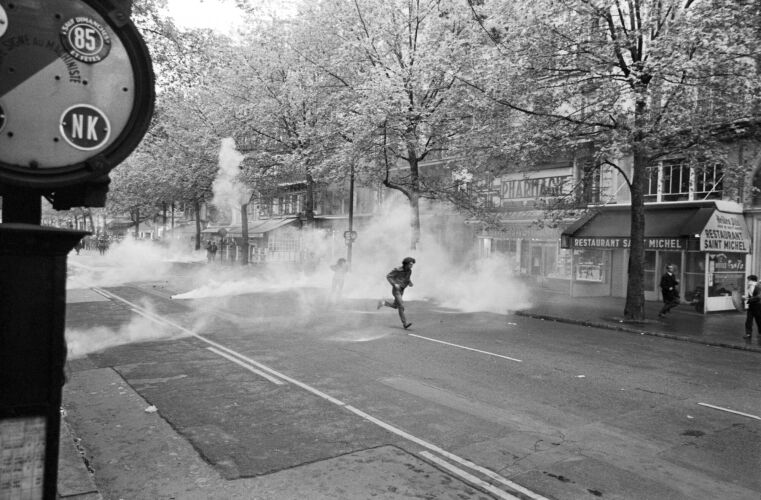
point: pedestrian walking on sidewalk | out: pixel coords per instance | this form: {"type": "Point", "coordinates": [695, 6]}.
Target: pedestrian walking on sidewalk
{"type": "Point", "coordinates": [669, 290]}
{"type": "Point", "coordinates": [753, 296]}
{"type": "Point", "coordinates": [399, 277]}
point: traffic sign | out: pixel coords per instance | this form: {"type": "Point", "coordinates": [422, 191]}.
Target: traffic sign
{"type": "Point", "coordinates": [77, 91]}
{"type": "Point", "coordinates": [350, 236]}
{"type": "Point", "coordinates": [85, 127]}
{"type": "Point", "coordinates": [86, 39]}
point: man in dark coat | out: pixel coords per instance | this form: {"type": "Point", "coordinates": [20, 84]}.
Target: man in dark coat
{"type": "Point", "coordinates": [669, 290]}
{"type": "Point", "coordinates": [754, 308]}
{"type": "Point", "coordinates": [399, 277]}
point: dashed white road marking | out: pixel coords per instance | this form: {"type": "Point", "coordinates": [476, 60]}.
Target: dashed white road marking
{"type": "Point", "coordinates": [220, 349]}
{"type": "Point", "coordinates": [466, 348]}
{"type": "Point", "coordinates": [248, 367]}
{"type": "Point", "coordinates": [730, 411]}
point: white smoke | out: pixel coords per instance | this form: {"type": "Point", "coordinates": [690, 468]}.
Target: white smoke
{"type": "Point", "coordinates": [477, 284]}
{"type": "Point", "coordinates": [81, 342]}
{"type": "Point", "coordinates": [227, 187]}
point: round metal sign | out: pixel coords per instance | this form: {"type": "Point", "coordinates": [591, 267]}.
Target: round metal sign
{"type": "Point", "coordinates": [3, 21]}
{"type": "Point", "coordinates": [85, 39]}
{"type": "Point", "coordinates": [85, 127]}
{"type": "Point", "coordinates": [77, 90]}
{"type": "Point", "coordinates": [350, 236]}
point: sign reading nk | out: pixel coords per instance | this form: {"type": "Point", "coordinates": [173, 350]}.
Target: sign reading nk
{"type": "Point", "coordinates": [85, 127]}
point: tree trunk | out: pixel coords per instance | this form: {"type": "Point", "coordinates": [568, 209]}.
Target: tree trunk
{"type": "Point", "coordinates": [309, 202]}
{"type": "Point", "coordinates": [197, 208]}
{"type": "Point", "coordinates": [244, 233]}
{"type": "Point", "coordinates": [92, 223]}
{"type": "Point", "coordinates": [414, 221]}
{"type": "Point", "coordinates": [137, 223]}
{"type": "Point", "coordinates": [414, 197]}
{"type": "Point", "coordinates": [634, 309]}
{"type": "Point", "coordinates": [163, 220]}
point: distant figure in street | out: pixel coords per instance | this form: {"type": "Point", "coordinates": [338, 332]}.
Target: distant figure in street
{"type": "Point", "coordinates": [669, 290]}
{"type": "Point", "coordinates": [399, 277]}
{"type": "Point", "coordinates": [753, 296]}
{"type": "Point", "coordinates": [102, 245]}
{"type": "Point", "coordinates": [213, 250]}
{"type": "Point", "coordinates": [340, 268]}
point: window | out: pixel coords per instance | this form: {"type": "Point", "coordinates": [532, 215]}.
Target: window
{"type": "Point", "coordinates": [675, 181]}
{"type": "Point", "coordinates": [709, 181]}
{"type": "Point", "coordinates": [651, 191]}
{"type": "Point", "coordinates": [590, 184]}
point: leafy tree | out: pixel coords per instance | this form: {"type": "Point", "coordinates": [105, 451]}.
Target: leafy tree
{"type": "Point", "coordinates": [396, 66]}
{"type": "Point", "coordinates": [639, 79]}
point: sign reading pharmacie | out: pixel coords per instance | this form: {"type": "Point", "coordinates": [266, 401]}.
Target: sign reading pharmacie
{"type": "Point", "coordinates": [622, 242]}
{"type": "Point", "coordinates": [76, 93]}
{"type": "Point", "coordinates": [725, 232]}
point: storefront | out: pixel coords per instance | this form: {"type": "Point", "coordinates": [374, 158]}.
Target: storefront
{"type": "Point", "coordinates": [532, 251]}
{"type": "Point", "coordinates": [707, 242]}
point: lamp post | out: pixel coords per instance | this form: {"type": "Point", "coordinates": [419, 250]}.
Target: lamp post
{"type": "Point", "coordinates": [351, 234]}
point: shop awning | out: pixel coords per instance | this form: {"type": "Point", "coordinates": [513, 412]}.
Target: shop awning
{"type": "Point", "coordinates": [666, 228]}
{"type": "Point", "coordinates": [259, 228]}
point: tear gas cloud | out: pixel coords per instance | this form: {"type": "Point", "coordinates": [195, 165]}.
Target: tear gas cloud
{"type": "Point", "coordinates": [469, 284]}
{"type": "Point", "coordinates": [229, 191]}
{"type": "Point", "coordinates": [140, 329]}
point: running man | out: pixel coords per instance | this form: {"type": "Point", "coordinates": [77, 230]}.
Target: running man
{"type": "Point", "coordinates": [399, 277]}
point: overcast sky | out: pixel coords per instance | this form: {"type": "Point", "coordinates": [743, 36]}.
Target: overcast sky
{"type": "Point", "coordinates": [221, 15]}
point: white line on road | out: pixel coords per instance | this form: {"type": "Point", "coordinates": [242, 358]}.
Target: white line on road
{"type": "Point", "coordinates": [468, 477]}
{"type": "Point", "coordinates": [247, 366]}
{"type": "Point", "coordinates": [730, 411]}
{"type": "Point", "coordinates": [356, 411]}
{"type": "Point", "coordinates": [464, 347]}
{"type": "Point", "coordinates": [445, 453]}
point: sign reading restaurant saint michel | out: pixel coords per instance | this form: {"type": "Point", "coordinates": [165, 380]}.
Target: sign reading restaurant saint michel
{"type": "Point", "coordinates": [725, 233]}
{"type": "Point", "coordinates": [621, 242]}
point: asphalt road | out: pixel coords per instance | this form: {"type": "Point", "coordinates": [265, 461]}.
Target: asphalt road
{"type": "Point", "coordinates": [264, 382]}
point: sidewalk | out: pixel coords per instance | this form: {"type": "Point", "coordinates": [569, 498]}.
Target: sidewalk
{"type": "Point", "coordinates": [719, 329]}
{"type": "Point", "coordinates": [387, 469]}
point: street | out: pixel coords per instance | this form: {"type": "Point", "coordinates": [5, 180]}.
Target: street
{"type": "Point", "coordinates": [271, 381]}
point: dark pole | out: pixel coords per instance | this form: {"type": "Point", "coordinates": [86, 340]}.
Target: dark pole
{"type": "Point", "coordinates": [349, 241]}
{"type": "Point", "coordinates": [22, 206]}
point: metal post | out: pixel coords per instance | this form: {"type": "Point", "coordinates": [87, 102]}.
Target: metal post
{"type": "Point", "coordinates": [22, 206]}
{"type": "Point", "coordinates": [351, 215]}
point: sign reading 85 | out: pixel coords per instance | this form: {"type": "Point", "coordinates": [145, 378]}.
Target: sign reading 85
{"type": "Point", "coordinates": [85, 39]}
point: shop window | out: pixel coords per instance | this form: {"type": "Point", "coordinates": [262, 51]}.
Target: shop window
{"type": "Point", "coordinates": [563, 266]}
{"type": "Point", "coordinates": [726, 274]}
{"type": "Point", "coordinates": [649, 266]}
{"type": "Point", "coordinates": [509, 247]}
{"type": "Point", "coordinates": [694, 277]}
{"type": "Point", "coordinates": [590, 265]}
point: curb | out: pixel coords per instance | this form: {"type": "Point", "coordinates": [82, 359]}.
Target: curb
{"type": "Point", "coordinates": [609, 326]}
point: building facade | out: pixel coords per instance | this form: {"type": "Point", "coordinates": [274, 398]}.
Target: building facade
{"type": "Point", "coordinates": [698, 218]}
